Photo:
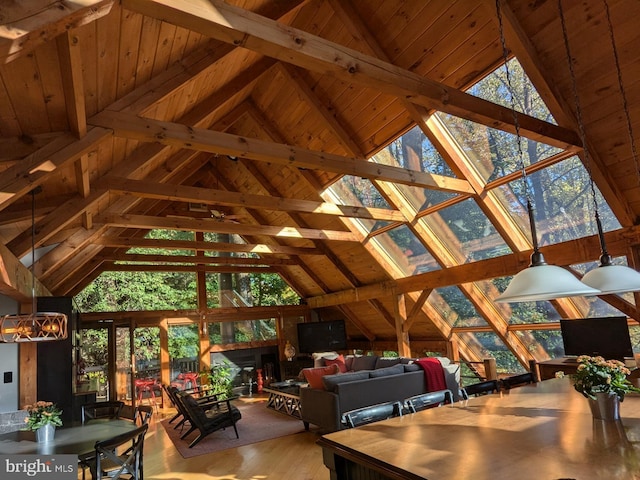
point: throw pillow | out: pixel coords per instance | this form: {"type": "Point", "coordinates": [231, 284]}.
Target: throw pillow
{"type": "Point", "coordinates": [338, 361]}
{"type": "Point", "coordinates": [318, 358]}
{"type": "Point", "coordinates": [386, 371]}
{"type": "Point", "coordinates": [412, 367]}
{"type": "Point", "coordinates": [314, 375]}
{"type": "Point", "coordinates": [367, 362]}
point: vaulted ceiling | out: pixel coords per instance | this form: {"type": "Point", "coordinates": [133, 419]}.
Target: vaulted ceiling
{"type": "Point", "coordinates": [132, 115]}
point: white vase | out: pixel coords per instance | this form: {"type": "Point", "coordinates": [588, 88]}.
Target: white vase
{"type": "Point", "coordinates": [45, 433]}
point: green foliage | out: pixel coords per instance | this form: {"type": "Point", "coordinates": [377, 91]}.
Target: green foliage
{"type": "Point", "coordinates": [597, 375]}
{"type": "Point", "coordinates": [183, 341]}
{"type": "Point", "coordinates": [42, 413]}
{"type": "Point", "coordinates": [220, 379]}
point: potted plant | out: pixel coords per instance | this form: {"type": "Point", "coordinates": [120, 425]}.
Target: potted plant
{"type": "Point", "coordinates": [219, 380]}
{"type": "Point", "coordinates": [43, 418]}
{"type": "Point", "coordinates": [604, 383]}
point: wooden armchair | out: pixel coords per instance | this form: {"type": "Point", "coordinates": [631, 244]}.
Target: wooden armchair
{"type": "Point", "coordinates": [208, 417]}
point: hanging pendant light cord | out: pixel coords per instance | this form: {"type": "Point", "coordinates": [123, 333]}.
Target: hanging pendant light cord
{"type": "Point", "coordinates": [605, 258]}
{"type": "Point", "coordinates": [536, 257]}
{"type": "Point", "coordinates": [34, 307]}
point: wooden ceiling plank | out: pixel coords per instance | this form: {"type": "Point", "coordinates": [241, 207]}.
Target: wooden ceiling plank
{"type": "Point", "coordinates": [182, 136]}
{"type": "Point", "coordinates": [186, 268]}
{"type": "Point", "coordinates": [230, 24]}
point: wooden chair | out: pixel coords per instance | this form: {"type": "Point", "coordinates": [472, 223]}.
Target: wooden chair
{"type": "Point", "coordinates": [142, 414]}
{"type": "Point", "coordinates": [481, 388]}
{"type": "Point", "coordinates": [428, 400]}
{"type": "Point", "coordinates": [518, 380]}
{"type": "Point", "coordinates": [208, 417]}
{"type": "Point", "coordinates": [110, 409]}
{"type": "Point", "coordinates": [373, 413]}
{"type": "Point", "coordinates": [119, 455]}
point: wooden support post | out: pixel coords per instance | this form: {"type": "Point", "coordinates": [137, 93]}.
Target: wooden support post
{"type": "Point", "coordinates": [490, 369]}
{"type": "Point", "coordinates": [400, 315]}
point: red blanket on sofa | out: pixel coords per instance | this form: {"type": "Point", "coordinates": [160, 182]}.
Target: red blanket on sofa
{"type": "Point", "coordinates": [433, 373]}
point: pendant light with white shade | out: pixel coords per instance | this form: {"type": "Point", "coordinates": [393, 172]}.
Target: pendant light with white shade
{"type": "Point", "coordinates": [606, 277]}
{"type": "Point", "coordinates": [539, 281]}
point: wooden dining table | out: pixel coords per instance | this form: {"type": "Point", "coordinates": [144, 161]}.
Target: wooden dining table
{"type": "Point", "coordinates": [543, 431]}
{"type": "Point", "coordinates": [76, 440]}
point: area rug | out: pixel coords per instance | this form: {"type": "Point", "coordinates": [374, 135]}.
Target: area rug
{"type": "Point", "coordinates": [258, 423]}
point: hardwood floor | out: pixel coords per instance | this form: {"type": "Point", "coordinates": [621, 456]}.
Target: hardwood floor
{"type": "Point", "coordinates": [294, 457]}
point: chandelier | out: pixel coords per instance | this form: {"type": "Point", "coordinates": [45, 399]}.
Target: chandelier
{"type": "Point", "coordinates": [35, 326]}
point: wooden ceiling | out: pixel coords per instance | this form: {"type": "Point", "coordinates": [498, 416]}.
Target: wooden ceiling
{"type": "Point", "coordinates": [126, 112]}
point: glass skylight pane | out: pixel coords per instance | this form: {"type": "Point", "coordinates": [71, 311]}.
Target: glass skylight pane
{"type": "Point", "coordinates": [356, 191]}
{"type": "Point", "coordinates": [405, 250]}
{"type": "Point", "coordinates": [455, 308]}
{"type": "Point", "coordinates": [488, 345]}
{"type": "Point", "coordinates": [562, 201]}
{"type": "Point", "coordinates": [422, 198]}
{"type": "Point", "coordinates": [549, 340]}
{"type": "Point", "coordinates": [414, 151]}
{"type": "Point", "coordinates": [493, 153]}
{"type": "Point", "coordinates": [466, 230]}
{"type": "Point", "coordinates": [494, 88]}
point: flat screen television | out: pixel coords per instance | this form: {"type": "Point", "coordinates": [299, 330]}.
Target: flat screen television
{"type": "Point", "coordinates": [322, 336]}
{"type": "Point", "coordinates": [604, 336]}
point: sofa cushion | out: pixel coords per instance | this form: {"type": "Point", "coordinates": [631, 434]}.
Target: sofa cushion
{"type": "Point", "coordinates": [338, 361]}
{"type": "Point", "coordinates": [406, 360]}
{"type": "Point", "coordinates": [318, 358]}
{"type": "Point", "coordinates": [411, 367]}
{"type": "Point", "coordinates": [386, 371]}
{"type": "Point", "coordinates": [314, 375]}
{"type": "Point", "coordinates": [383, 362]}
{"type": "Point", "coordinates": [364, 363]}
{"type": "Point", "coordinates": [330, 381]}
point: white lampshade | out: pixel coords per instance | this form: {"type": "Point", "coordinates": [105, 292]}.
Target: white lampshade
{"type": "Point", "coordinates": [544, 282]}
{"type": "Point", "coordinates": [613, 279]}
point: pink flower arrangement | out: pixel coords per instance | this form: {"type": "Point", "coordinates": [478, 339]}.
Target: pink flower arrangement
{"type": "Point", "coordinates": [42, 413]}
{"type": "Point", "coordinates": [595, 375]}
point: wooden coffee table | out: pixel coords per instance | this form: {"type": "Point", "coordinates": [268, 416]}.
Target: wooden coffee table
{"type": "Point", "coordinates": [285, 397]}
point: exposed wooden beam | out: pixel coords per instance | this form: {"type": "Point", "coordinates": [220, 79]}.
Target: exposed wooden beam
{"type": "Point", "coordinates": [566, 253]}
{"type": "Point", "coordinates": [195, 259]}
{"type": "Point", "coordinates": [230, 24]}
{"type": "Point", "coordinates": [181, 193]}
{"type": "Point", "coordinates": [182, 136]}
{"type": "Point", "coordinates": [187, 268]}
{"type": "Point", "coordinates": [210, 225]}
{"type": "Point", "coordinates": [262, 249]}
{"type": "Point", "coordinates": [26, 25]}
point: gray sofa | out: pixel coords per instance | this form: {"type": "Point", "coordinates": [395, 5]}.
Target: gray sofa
{"type": "Point", "coordinates": [361, 388]}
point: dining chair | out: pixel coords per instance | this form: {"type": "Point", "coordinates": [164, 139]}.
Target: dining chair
{"type": "Point", "coordinates": [428, 400]}
{"type": "Point", "coordinates": [142, 414]}
{"type": "Point", "coordinates": [372, 413]}
{"type": "Point", "coordinates": [109, 409]}
{"type": "Point", "coordinates": [208, 417]}
{"type": "Point", "coordinates": [119, 455]}
{"type": "Point", "coordinates": [518, 380]}
{"type": "Point", "coordinates": [480, 388]}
